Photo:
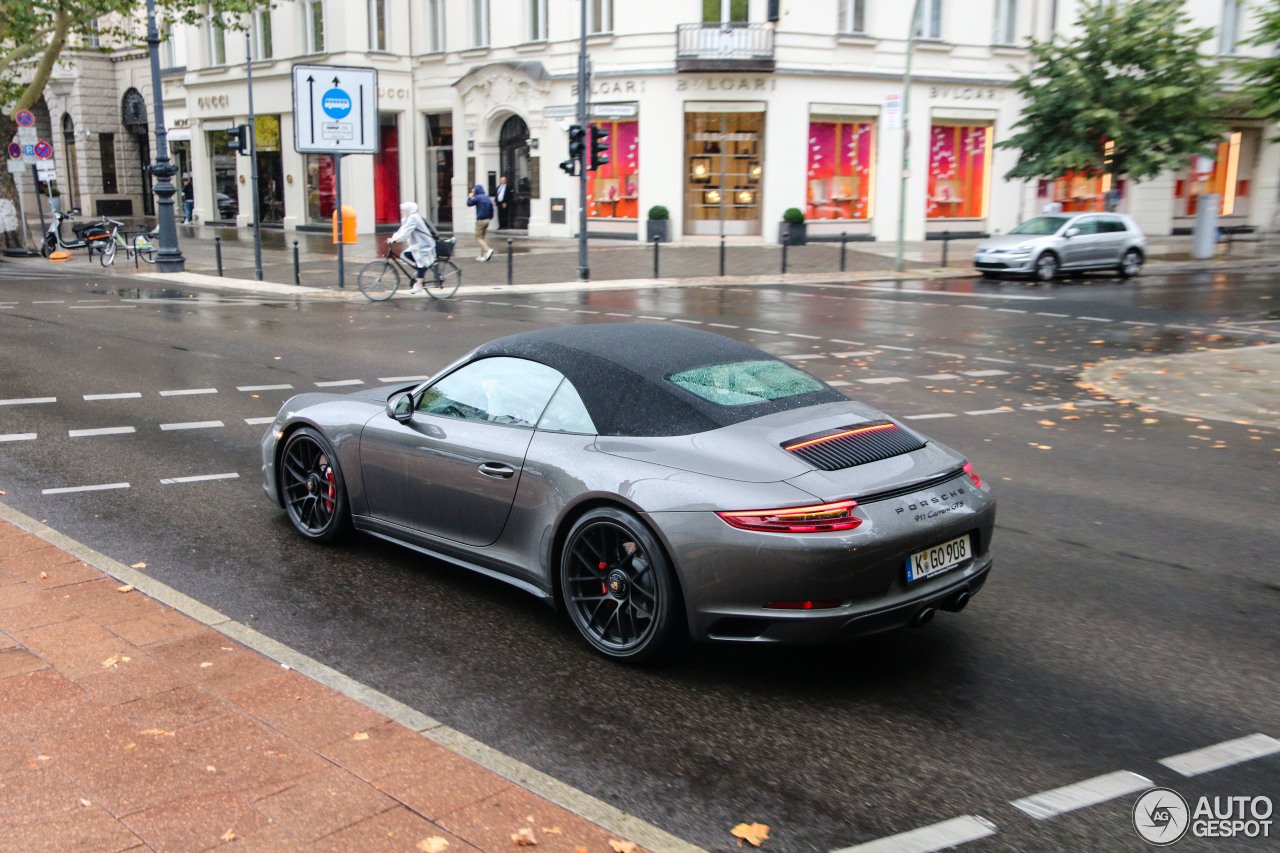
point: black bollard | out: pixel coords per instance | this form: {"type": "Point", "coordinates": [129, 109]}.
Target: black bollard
{"type": "Point", "coordinates": [946, 240]}
{"type": "Point", "coordinates": [721, 254]}
{"type": "Point", "coordinates": [511, 274]}
{"type": "Point", "coordinates": [655, 258]}
{"type": "Point", "coordinates": [297, 275]}
{"type": "Point", "coordinates": [784, 257]}
{"type": "Point", "coordinates": [217, 248]}
{"type": "Point", "coordinates": [844, 236]}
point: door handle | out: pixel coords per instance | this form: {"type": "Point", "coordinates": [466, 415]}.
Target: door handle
{"type": "Point", "coordinates": [493, 469]}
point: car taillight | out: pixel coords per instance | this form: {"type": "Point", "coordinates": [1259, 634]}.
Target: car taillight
{"type": "Point", "coordinates": [973, 475]}
{"type": "Point", "coordinates": [796, 519]}
{"type": "Point", "coordinates": [804, 605]}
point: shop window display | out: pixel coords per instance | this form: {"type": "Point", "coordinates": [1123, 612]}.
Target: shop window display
{"type": "Point", "coordinates": [613, 191]}
{"type": "Point", "coordinates": [841, 154]}
{"type": "Point", "coordinates": [320, 188]}
{"type": "Point", "coordinates": [959, 171]}
{"type": "Point", "coordinates": [1223, 174]}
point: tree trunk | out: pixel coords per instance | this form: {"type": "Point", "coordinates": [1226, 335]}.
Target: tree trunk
{"type": "Point", "coordinates": [10, 208]}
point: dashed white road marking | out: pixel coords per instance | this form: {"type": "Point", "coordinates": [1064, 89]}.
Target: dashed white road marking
{"type": "Point", "coordinates": [854, 354]}
{"type": "Point", "coordinates": [607, 313]}
{"type": "Point", "coordinates": [995, 360]}
{"type": "Point", "coordinates": [940, 377]}
{"type": "Point", "coordinates": [504, 304]}
{"type": "Point", "coordinates": [336, 383]}
{"type": "Point", "coordinates": [1222, 755]}
{"type": "Point", "coordinates": [1097, 319]}
{"type": "Point", "coordinates": [946, 354]}
{"type": "Point", "coordinates": [392, 380]}
{"type": "Point", "coordinates": [257, 421]}
{"type": "Point", "coordinates": [806, 337]}
{"type": "Point", "coordinates": [985, 372]}
{"type": "Point", "coordinates": [883, 380]}
{"type": "Point", "coordinates": [69, 489]}
{"type": "Point", "coordinates": [838, 383]}
{"type": "Point", "coordinates": [764, 331]}
{"type": "Point", "coordinates": [22, 401]}
{"type": "Point", "coordinates": [1090, 792]}
{"type": "Point", "coordinates": [1138, 323]}
{"type": "Point", "coordinates": [553, 308]}
{"type": "Point", "coordinates": [724, 326]}
{"type": "Point", "coordinates": [899, 349]}
{"type": "Point", "coordinates": [19, 436]}
{"type": "Point", "coordinates": [84, 433]}
{"type": "Point", "coordinates": [584, 311]}
{"type": "Point", "coordinates": [804, 356]}
{"type": "Point", "coordinates": [690, 322]}
{"type": "Point", "coordinates": [46, 301]}
{"type": "Point", "coordinates": [927, 839]}
{"type": "Point", "coordinates": [649, 317]}
{"type": "Point", "coordinates": [1186, 328]}
{"type": "Point", "coordinates": [1000, 411]}
{"type": "Point", "coordinates": [193, 425]}
{"type": "Point", "coordinates": [124, 395]}
{"type": "Point", "coordinates": [187, 392]}
{"type": "Point", "coordinates": [850, 343]}
{"type": "Point", "coordinates": [99, 307]}
{"type": "Point", "coordinates": [1013, 310]}
{"type": "Point", "coordinates": [928, 417]}
{"type": "Point", "coordinates": [982, 307]}
{"type": "Point", "coordinates": [1047, 366]}
{"type": "Point", "coordinates": [264, 387]}
{"type": "Point", "coordinates": [199, 478]}
{"type": "Point", "coordinates": [1050, 314]}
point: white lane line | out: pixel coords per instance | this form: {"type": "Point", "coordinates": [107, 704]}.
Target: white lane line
{"type": "Point", "coordinates": [22, 401]}
{"type": "Point", "coordinates": [339, 382]}
{"type": "Point", "coordinates": [126, 395]}
{"type": "Point", "coordinates": [391, 380]}
{"type": "Point", "coordinates": [981, 307]}
{"type": "Point", "coordinates": [1046, 366]}
{"type": "Point", "coordinates": [724, 326]}
{"type": "Point", "coordinates": [83, 433]}
{"type": "Point", "coordinates": [187, 392]}
{"type": "Point", "coordinates": [1138, 323]}
{"type": "Point", "coordinates": [505, 304]}
{"type": "Point", "coordinates": [92, 300]}
{"type": "Point", "coordinates": [19, 436]}
{"type": "Point", "coordinates": [607, 313]}
{"type": "Point", "coordinates": [200, 478]}
{"type": "Point", "coordinates": [805, 356]}
{"type": "Point", "coordinates": [691, 322]}
{"type": "Point", "coordinates": [806, 337]}
{"type": "Point", "coordinates": [1185, 328]}
{"type": "Point", "coordinates": [883, 380]}
{"type": "Point", "coordinates": [47, 301]}
{"type": "Point", "coordinates": [928, 417]}
{"type": "Point", "coordinates": [854, 354]}
{"type": "Point", "coordinates": [475, 301]}
{"type": "Point", "coordinates": [1095, 402]}
{"type": "Point", "coordinates": [1097, 319]}
{"type": "Point", "coordinates": [1013, 310]}
{"type": "Point", "coordinates": [1222, 754]}
{"type": "Point", "coordinates": [939, 377]}
{"type": "Point", "coordinates": [838, 383]}
{"type": "Point", "coordinates": [995, 360]}
{"type": "Point", "coordinates": [946, 354]}
{"type": "Point", "coordinates": [553, 308]}
{"type": "Point", "coordinates": [193, 425]}
{"type": "Point", "coordinates": [1050, 314]}
{"type": "Point", "coordinates": [764, 331]}
{"type": "Point", "coordinates": [649, 317]}
{"type": "Point", "coordinates": [256, 421]}
{"type": "Point", "coordinates": [1090, 792]}
{"type": "Point", "coordinates": [1001, 411]}
{"type": "Point", "coordinates": [69, 489]}
{"type": "Point", "coordinates": [985, 372]}
{"type": "Point", "coordinates": [899, 349]}
{"type": "Point", "coordinates": [850, 343]}
{"type": "Point", "coordinates": [584, 311]}
{"type": "Point", "coordinates": [264, 387]}
{"type": "Point", "coordinates": [99, 307]}
{"type": "Point", "coordinates": [927, 839]}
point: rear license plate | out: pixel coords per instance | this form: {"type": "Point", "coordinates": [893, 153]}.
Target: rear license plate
{"type": "Point", "coordinates": [938, 559]}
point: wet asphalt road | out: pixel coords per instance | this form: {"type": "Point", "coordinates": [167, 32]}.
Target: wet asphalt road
{"type": "Point", "coordinates": [1133, 613]}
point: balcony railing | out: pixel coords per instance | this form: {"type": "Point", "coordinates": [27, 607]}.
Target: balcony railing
{"type": "Point", "coordinates": [724, 47]}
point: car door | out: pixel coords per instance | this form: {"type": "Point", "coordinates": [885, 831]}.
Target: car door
{"type": "Point", "coordinates": [1112, 236]}
{"type": "Point", "coordinates": [452, 468]}
{"type": "Point", "coordinates": [1079, 250]}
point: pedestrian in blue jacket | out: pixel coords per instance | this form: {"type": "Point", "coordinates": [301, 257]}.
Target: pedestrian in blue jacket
{"type": "Point", "coordinates": [480, 200]}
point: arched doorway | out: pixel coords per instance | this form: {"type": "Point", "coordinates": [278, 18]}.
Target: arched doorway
{"type": "Point", "coordinates": [133, 115]}
{"type": "Point", "coordinates": [513, 161]}
{"type": "Point", "coordinates": [73, 169]}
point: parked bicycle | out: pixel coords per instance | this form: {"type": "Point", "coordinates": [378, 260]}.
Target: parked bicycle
{"type": "Point", "coordinates": [139, 247]}
{"type": "Point", "coordinates": [379, 280]}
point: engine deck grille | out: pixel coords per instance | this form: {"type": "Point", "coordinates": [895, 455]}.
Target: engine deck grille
{"type": "Point", "coordinates": [845, 447]}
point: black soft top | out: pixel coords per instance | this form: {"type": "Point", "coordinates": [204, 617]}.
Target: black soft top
{"type": "Point", "coordinates": [619, 370]}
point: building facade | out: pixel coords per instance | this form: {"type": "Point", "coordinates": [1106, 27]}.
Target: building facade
{"type": "Point", "coordinates": [718, 113]}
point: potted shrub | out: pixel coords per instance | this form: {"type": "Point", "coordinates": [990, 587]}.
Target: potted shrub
{"type": "Point", "coordinates": [792, 231]}
{"type": "Point", "coordinates": [656, 227]}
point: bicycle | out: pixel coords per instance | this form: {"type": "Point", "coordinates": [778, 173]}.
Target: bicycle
{"type": "Point", "coordinates": [141, 247]}
{"type": "Point", "coordinates": [379, 280]}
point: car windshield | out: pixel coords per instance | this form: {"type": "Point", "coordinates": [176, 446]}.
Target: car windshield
{"type": "Point", "coordinates": [1041, 225]}
{"type": "Point", "coordinates": [742, 383]}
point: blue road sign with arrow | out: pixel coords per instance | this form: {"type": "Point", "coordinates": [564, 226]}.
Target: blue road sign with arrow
{"type": "Point", "coordinates": [335, 109]}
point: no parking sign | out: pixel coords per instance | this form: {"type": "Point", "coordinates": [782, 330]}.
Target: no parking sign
{"type": "Point", "coordinates": [24, 118]}
{"type": "Point", "coordinates": [43, 150]}
{"type": "Point", "coordinates": [15, 150]}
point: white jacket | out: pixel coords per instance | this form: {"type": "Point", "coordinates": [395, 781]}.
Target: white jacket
{"type": "Point", "coordinates": [421, 240]}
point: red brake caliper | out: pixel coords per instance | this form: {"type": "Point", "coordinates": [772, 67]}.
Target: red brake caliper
{"type": "Point", "coordinates": [603, 589]}
{"type": "Point", "coordinates": [333, 491]}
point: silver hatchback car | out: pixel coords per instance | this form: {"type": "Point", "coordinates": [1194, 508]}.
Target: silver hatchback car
{"type": "Point", "coordinates": [1060, 242]}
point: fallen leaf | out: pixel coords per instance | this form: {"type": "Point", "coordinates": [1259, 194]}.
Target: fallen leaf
{"type": "Point", "coordinates": [524, 837]}
{"type": "Point", "coordinates": [229, 835]}
{"type": "Point", "coordinates": [125, 588]}
{"type": "Point", "coordinates": [555, 830]}
{"type": "Point", "coordinates": [754, 834]}
{"type": "Point", "coordinates": [138, 566]}
{"type": "Point", "coordinates": [44, 575]}
{"type": "Point", "coordinates": [205, 665]}
{"type": "Point", "coordinates": [129, 747]}
{"type": "Point", "coordinates": [434, 844]}
{"type": "Point", "coordinates": [622, 846]}
{"type": "Point", "coordinates": [360, 736]}
{"type": "Point", "coordinates": [1047, 423]}
{"type": "Point", "coordinates": [211, 768]}
{"type": "Point", "coordinates": [1151, 420]}
{"type": "Point", "coordinates": [110, 662]}
{"type": "Point", "coordinates": [580, 850]}
{"type": "Point", "coordinates": [156, 732]}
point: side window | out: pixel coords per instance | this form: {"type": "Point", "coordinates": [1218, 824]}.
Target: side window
{"type": "Point", "coordinates": [567, 413]}
{"type": "Point", "coordinates": [1087, 226]}
{"type": "Point", "coordinates": [508, 391]}
{"type": "Point", "coordinates": [1113, 226]}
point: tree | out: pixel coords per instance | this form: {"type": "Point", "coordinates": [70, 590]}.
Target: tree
{"type": "Point", "coordinates": [1261, 77]}
{"type": "Point", "coordinates": [1130, 94]}
{"type": "Point", "coordinates": [34, 34]}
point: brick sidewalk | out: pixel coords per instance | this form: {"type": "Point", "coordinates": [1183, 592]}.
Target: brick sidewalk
{"type": "Point", "coordinates": [128, 726]}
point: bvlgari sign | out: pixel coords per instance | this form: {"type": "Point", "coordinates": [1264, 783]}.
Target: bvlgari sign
{"type": "Point", "coordinates": [966, 93]}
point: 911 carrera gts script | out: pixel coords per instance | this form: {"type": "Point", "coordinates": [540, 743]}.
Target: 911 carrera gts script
{"type": "Point", "coordinates": [933, 506]}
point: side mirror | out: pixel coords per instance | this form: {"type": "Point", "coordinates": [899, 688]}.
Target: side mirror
{"type": "Point", "coordinates": [1072, 232]}
{"type": "Point", "coordinates": [400, 408]}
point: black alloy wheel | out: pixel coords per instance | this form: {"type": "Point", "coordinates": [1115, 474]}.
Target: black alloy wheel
{"type": "Point", "coordinates": [49, 246]}
{"type": "Point", "coordinates": [617, 586]}
{"type": "Point", "coordinates": [315, 495]}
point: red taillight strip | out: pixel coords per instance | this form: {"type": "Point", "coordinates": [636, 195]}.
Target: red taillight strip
{"type": "Point", "coordinates": [838, 435]}
{"type": "Point", "coordinates": [787, 512]}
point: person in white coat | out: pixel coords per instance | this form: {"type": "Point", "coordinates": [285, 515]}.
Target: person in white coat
{"type": "Point", "coordinates": [421, 240]}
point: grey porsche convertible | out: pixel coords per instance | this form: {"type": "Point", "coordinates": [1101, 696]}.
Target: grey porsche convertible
{"type": "Point", "coordinates": [654, 482]}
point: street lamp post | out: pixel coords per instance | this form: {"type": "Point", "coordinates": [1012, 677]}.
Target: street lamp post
{"type": "Point", "coordinates": [899, 262]}
{"type": "Point", "coordinates": [168, 256]}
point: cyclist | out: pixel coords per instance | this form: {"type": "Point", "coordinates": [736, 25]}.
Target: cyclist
{"type": "Point", "coordinates": [421, 237]}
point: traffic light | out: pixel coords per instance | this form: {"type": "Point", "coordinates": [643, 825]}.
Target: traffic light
{"type": "Point", "coordinates": [237, 138]}
{"type": "Point", "coordinates": [577, 143]}
{"type": "Point", "coordinates": [599, 147]}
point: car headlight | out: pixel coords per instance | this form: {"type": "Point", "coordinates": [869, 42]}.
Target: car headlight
{"type": "Point", "coordinates": [1024, 249]}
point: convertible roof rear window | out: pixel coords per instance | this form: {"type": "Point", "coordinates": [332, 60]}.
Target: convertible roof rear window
{"type": "Point", "coordinates": [744, 383]}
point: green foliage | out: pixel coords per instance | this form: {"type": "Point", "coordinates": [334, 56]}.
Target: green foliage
{"type": "Point", "coordinates": [1261, 77]}
{"type": "Point", "coordinates": [658, 212]}
{"type": "Point", "coordinates": [1134, 76]}
{"type": "Point", "coordinates": [793, 216]}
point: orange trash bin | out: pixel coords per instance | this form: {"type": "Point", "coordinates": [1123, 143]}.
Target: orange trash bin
{"type": "Point", "coordinates": [347, 234]}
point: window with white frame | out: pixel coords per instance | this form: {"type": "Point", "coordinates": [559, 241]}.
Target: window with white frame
{"type": "Point", "coordinates": [1232, 21]}
{"type": "Point", "coordinates": [853, 16]}
{"type": "Point", "coordinates": [378, 25]}
{"type": "Point", "coordinates": [1006, 28]}
{"type": "Point", "coordinates": [435, 26]}
{"type": "Point", "coordinates": [929, 26]}
{"type": "Point", "coordinates": [313, 11]}
{"type": "Point", "coordinates": [599, 16]}
{"type": "Point", "coordinates": [168, 58]}
{"type": "Point", "coordinates": [91, 39]}
{"type": "Point", "coordinates": [478, 22]}
{"type": "Point", "coordinates": [217, 41]}
{"type": "Point", "coordinates": [262, 46]}
{"type": "Point", "coordinates": [536, 15]}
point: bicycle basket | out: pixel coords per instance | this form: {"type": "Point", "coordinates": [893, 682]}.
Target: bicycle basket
{"type": "Point", "coordinates": [444, 248]}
